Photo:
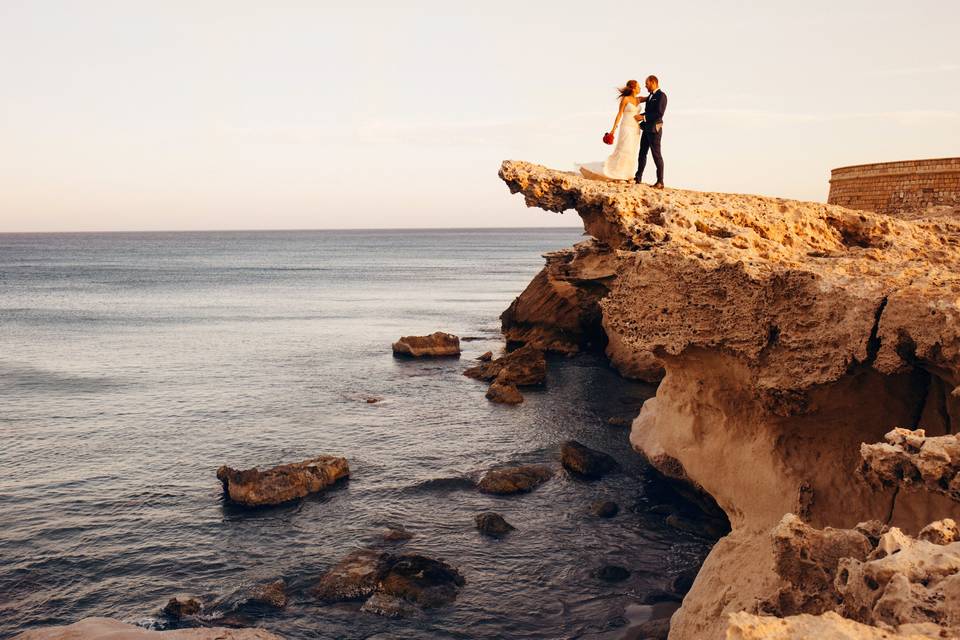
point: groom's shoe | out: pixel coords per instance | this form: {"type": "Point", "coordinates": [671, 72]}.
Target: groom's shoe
{"type": "Point", "coordinates": [659, 185]}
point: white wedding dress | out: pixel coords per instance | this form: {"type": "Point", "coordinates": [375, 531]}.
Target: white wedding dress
{"type": "Point", "coordinates": [623, 162]}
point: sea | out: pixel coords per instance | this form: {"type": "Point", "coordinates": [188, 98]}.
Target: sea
{"type": "Point", "coordinates": [133, 365]}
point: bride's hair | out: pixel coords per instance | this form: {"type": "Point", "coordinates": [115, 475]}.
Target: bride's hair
{"type": "Point", "coordinates": [628, 89]}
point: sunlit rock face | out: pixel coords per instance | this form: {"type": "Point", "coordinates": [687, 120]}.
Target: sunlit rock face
{"type": "Point", "coordinates": [787, 334]}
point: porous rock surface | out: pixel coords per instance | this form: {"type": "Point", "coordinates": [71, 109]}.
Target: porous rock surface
{"type": "Point", "coordinates": [110, 629]}
{"type": "Point", "coordinates": [787, 334]}
{"type": "Point", "coordinates": [912, 460]}
{"type": "Point", "coordinates": [255, 488]}
{"type": "Point", "coordinates": [829, 626]}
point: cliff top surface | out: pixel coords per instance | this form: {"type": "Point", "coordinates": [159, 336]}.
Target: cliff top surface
{"type": "Point", "coordinates": [802, 290]}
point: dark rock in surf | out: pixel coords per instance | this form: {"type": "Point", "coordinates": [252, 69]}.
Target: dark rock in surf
{"type": "Point", "coordinates": [514, 479]}
{"type": "Point", "coordinates": [523, 367]}
{"type": "Point", "coordinates": [605, 508]}
{"type": "Point", "coordinates": [613, 573]}
{"type": "Point", "coordinates": [420, 580]}
{"type": "Point", "coordinates": [493, 525]}
{"type": "Point", "coordinates": [353, 578]}
{"type": "Point", "coordinates": [272, 595]}
{"type": "Point", "coordinates": [585, 461]}
{"type": "Point", "coordinates": [182, 607]}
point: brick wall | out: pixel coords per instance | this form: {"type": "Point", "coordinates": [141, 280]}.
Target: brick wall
{"type": "Point", "coordinates": [897, 187]}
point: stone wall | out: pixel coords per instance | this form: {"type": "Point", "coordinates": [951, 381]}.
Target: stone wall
{"type": "Point", "coordinates": [897, 187]}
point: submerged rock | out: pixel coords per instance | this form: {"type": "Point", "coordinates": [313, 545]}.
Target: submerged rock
{"type": "Point", "coordinates": [504, 393]}
{"type": "Point", "coordinates": [420, 580]}
{"type": "Point", "coordinates": [605, 508]}
{"type": "Point", "coordinates": [391, 584]}
{"type": "Point", "coordinates": [613, 573]}
{"type": "Point", "coordinates": [353, 578]}
{"type": "Point", "coordinates": [109, 629]}
{"type": "Point", "coordinates": [523, 367]}
{"type": "Point", "coordinates": [254, 488]}
{"type": "Point", "coordinates": [514, 479]}
{"type": "Point", "coordinates": [493, 525]}
{"type": "Point", "coordinates": [182, 607]}
{"type": "Point", "coordinates": [396, 534]}
{"type": "Point", "coordinates": [585, 461]}
{"type": "Point", "coordinates": [437, 344]}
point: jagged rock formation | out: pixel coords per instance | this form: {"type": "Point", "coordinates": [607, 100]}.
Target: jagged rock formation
{"type": "Point", "coordinates": [511, 480]}
{"type": "Point", "coordinates": [559, 311]}
{"type": "Point", "coordinates": [109, 629]}
{"type": "Point", "coordinates": [911, 460]}
{"type": "Point", "coordinates": [255, 488]}
{"type": "Point", "coordinates": [525, 366]}
{"type": "Point", "coordinates": [788, 333]}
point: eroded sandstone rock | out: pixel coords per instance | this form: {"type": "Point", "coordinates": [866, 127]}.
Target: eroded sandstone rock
{"type": "Point", "coordinates": [559, 310]}
{"type": "Point", "coordinates": [914, 461]}
{"type": "Point", "coordinates": [255, 488]}
{"type": "Point", "coordinates": [353, 578]}
{"type": "Point", "coordinates": [514, 479]}
{"type": "Point", "coordinates": [788, 333]}
{"type": "Point", "coordinates": [437, 344]}
{"type": "Point", "coordinates": [504, 393]}
{"type": "Point", "coordinates": [829, 626]}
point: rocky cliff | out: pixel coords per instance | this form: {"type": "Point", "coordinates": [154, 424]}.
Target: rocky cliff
{"type": "Point", "coordinates": [787, 334]}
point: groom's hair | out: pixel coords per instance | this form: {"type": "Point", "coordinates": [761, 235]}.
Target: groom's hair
{"type": "Point", "coordinates": [654, 78]}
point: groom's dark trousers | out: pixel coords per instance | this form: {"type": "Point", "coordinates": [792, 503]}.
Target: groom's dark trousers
{"type": "Point", "coordinates": [652, 126]}
{"type": "Point", "coordinates": [650, 141]}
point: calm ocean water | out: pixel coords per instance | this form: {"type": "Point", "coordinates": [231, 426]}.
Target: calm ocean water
{"type": "Point", "coordinates": [133, 365]}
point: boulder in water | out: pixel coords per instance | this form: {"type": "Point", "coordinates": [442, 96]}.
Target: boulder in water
{"type": "Point", "coordinates": [420, 580]}
{"type": "Point", "coordinates": [353, 578]}
{"type": "Point", "coordinates": [585, 461]}
{"type": "Point", "coordinates": [514, 479]}
{"type": "Point", "coordinates": [182, 607]}
{"type": "Point", "coordinates": [504, 393]}
{"type": "Point", "coordinates": [493, 525]}
{"type": "Point", "coordinates": [255, 488]}
{"type": "Point", "coordinates": [437, 344]}
{"type": "Point", "coordinates": [605, 508]}
{"type": "Point", "coordinates": [523, 367]}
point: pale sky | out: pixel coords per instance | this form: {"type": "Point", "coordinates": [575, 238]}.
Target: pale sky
{"type": "Point", "coordinates": [209, 114]}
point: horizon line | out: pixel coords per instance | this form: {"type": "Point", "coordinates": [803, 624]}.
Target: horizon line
{"type": "Point", "coordinates": [118, 231]}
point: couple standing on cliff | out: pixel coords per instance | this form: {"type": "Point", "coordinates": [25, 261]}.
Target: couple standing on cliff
{"type": "Point", "coordinates": [625, 163]}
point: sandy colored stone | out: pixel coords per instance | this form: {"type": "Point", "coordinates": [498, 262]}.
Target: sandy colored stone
{"type": "Point", "coordinates": [914, 461]}
{"type": "Point", "coordinates": [788, 334]}
{"type": "Point", "coordinates": [829, 626]}
{"type": "Point", "coordinates": [437, 344]}
{"type": "Point", "coordinates": [254, 488]}
{"type": "Point", "coordinates": [353, 578]}
{"type": "Point", "coordinates": [109, 629]}
{"type": "Point", "coordinates": [559, 311]}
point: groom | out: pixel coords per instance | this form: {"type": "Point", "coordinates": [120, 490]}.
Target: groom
{"type": "Point", "coordinates": [651, 122]}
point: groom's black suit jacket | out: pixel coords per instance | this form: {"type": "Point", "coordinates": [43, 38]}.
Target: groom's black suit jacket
{"type": "Point", "coordinates": [656, 105]}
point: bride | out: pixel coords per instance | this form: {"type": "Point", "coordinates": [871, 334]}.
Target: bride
{"type": "Point", "coordinates": [622, 163]}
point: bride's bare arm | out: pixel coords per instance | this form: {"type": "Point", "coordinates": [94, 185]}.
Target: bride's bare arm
{"type": "Point", "coordinates": [616, 122]}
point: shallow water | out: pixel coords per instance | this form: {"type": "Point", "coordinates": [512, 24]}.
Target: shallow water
{"type": "Point", "coordinates": [133, 365]}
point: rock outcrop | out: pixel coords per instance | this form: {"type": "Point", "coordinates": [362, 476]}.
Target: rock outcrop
{"type": "Point", "coordinates": [788, 333]}
{"type": "Point", "coordinates": [437, 344]}
{"type": "Point", "coordinates": [911, 460]}
{"type": "Point", "coordinates": [109, 629]}
{"type": "Point", "coordinates": [584, 461]}
{"type": "Point", "coordinates": [525, 366]}
{"type": "Point", "coordinates": [559, 310]}
{"type": "Point", "coordinates": [255, 488]}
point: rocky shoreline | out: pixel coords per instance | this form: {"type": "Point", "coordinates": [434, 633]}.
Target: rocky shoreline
{"type": "Point", "coordinates": [788, 338]}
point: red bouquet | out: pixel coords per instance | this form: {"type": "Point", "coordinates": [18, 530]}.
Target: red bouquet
{"type": "Point", "coordinates": [608, 138]}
